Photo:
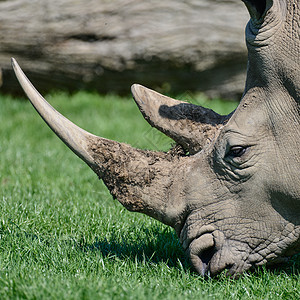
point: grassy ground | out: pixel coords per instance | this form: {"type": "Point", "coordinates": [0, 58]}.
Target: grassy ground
{"type": "Point", "coordinates": [63, 237]}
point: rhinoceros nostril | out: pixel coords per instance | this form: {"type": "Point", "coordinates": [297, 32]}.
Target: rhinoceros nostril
{"type": "Point", "coordinates": [201, 250]}
{"type": "Point", "coordinates": [207, 255]}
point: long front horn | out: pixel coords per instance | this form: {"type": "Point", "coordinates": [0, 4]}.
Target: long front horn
{"type": "Point", "coordinates": [144, 181]}
{"type": "Point", "coordinates": [73, 136]}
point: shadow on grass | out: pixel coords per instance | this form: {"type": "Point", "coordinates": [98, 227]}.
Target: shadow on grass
{"type": "Point", "coordinates": [165, 247]}
{"type": "Point", "coordinates": [162, 246]}
{"type": "Point", "coordinates": [158, 246]}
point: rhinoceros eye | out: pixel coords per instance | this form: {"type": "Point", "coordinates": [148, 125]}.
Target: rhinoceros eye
{"type": "Point", "coordinates": [237, 151]}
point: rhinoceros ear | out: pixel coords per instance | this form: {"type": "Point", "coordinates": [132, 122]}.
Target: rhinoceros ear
{"type": "Point", "coordinates": [189, 125]}
{"type": "Point", "coordinates": [257, 8]}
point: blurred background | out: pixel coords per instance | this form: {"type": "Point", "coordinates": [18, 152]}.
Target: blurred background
{"type": "Point", "coordinates": [172, 46]}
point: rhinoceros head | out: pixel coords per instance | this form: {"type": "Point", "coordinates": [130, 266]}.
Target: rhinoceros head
{"type": "Point", "coordinates": [231, 186]}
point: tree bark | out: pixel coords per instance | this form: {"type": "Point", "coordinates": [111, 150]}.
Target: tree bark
{"type": "Point", "coordinates": [107, 45]}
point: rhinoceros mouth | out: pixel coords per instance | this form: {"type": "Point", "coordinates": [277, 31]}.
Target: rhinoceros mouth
{"type": "Point", "coordinates": [210, 255]}
{"type": "Point", "coordinates": [211, 261]}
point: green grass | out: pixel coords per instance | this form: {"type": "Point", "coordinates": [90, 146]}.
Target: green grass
{"type": "Point", "coordinates": [63, 237]}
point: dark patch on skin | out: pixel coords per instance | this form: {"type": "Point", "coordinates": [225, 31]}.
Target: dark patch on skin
{"type": "Point", "coordinates": [191, 112]}
{"type": "Point", "coordinates": [198, 125]}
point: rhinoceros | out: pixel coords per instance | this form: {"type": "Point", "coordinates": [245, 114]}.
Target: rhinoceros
{"type": "Point", "coordinates": [230, 187]}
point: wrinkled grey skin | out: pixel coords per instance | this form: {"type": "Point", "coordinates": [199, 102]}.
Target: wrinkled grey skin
{"type": "Point", "coordinates": [231, 186]}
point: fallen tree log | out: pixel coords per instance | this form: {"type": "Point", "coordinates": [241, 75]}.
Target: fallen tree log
{"type": "Point", "coordinates": [107, 45]}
